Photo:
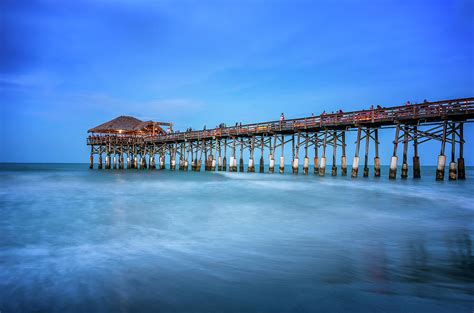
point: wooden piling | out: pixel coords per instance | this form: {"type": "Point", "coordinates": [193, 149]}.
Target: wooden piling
{"type": "Point", "coordinates": [132, 157]}
{"type": "Point", "coordinates": [316, 157]}
{"type": "Point", "coordinates": [212, 158]}
{"type": "Point", "coordinates": [461, 167]}
{"type": "Point", "coordinates": [262, 147]}
{"type": "Point", "coordinates": [404, 173]}
{"type": "Point", "coordinates": [366, 156]}
{"type": "Point", "coordinates": [271, 161]}
{"type": "Point", "coordinates": [282, 158]}
{"type": "Point", "coordinates": [322, 166]}
{"type": "Point", "coordinates": [452, 164]}
{"type": "Point", "coordinates": [343, 157]}
{"type": "Point", "coordinates": [241, 160]}
{"type": "Point", "coordinates": [416, 158]}
{"type": "Point", "coordinates": [442, 158]}
{"type": "Point", "coordinates": [393, 161]}
{"type": "Point", "coordinates": [107, 159]}
{"type": "Point", "coordinates": [135, 161]}
{"type": "Point", "coordinates": [199, 161]}
{"type": "Point", "coordinates": [376, 159]}
{"type": "Point", "coordinates": [306, 159]}
{"type": "Point", "coordinates": [121, 161]}
{"type": "Point", "coordinates": [219, 157]}
{"type": "Point", "coordinates": [233, 161]}
{"type": "Point", "coordinates": [334, 151]}
{"type": "Point", "coordinates": [355, 163]}
{"type": "Point", "coordinates": [224, 160]}
{"type": "Point", "coordinates": [295, 163]}
{"type": "Point", "coordinates": [99, 161]}
{"type": "Point", "coordinates": [251, 166]}
{"type": "Point", "coordinates": [91, 161]}
{"type": "Point", "coordinates": [172, 157]}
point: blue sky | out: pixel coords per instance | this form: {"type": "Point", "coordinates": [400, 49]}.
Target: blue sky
{"type": "Point", "coordinates": [66, 66]}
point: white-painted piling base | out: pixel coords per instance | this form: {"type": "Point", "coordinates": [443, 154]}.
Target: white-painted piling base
{"type": "Point", "coordinates": [355, 167]}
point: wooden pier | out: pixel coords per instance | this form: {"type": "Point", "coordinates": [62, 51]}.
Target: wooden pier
{"type": "Point", "coordinates": [142, 142]}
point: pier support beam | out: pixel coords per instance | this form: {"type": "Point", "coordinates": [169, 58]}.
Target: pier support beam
{"type": "Point", "coordinates": [306, 159]}
{"type": "Point", "coordinates": [152, 161]}
{"type": "Point", "coordinates": [355, 163]}
{"type": "Point", "coordinates": [282, 158]}
{"type": "Point", "coordinates": [241, 160]}
{"type": "Point", "coordinates": [251, 166]}
{"type": "Point", "coordinates": [452, 165]}
{"type": "Point", "coordinates": [334, 151]}
{"type": "Point", "coordinates": [132, 157]}
{"type": "Point", "coordinates": [262, 147]}
{"type": "Point", "coordinates": [107, 161]}
{"type": "Point", "coordinates": [366, 156]}
{"type": "Point", "coordinates": [224, 160]}
{"type": "Point", "coordinates": [91, 160]}
{"type": "Point", "coordinates": [135, 161]}
{"type": "Point", "coordinates": [461, 167]}
{"type": "Point", "coordinates": [143, 164]}
{"type": "Point", "coordinates": [343, 157]}
{"type": "Point", "coordinates": [376, 159]}
{"type": "Point", "coordinates": [271, 161]}
{"type": "Point", "coordinates": [295, 163]}
{"type": "Point", "coordinates": [322, 166]}
{"type": "Point", "coordinates": [404, 173]}
{"type": "Point", "coordinates": [416, 158]}
{"type": "Point", "coordinates": [316, 157]}
{"type": "Point", "coordinates": [162, 162]}
{"type": "Point", "coordinates": [233, 161]}
{"type": "Point", "coordinates": [99, 162]}
{"type": "Point", "coordinates": [442, 158]}
{"type": "Point", "coordinates": [121, 166]}
{"type": "Point", "coordinates": [219, 157]}
{"type": "Point", "coordinates": [393, 161]}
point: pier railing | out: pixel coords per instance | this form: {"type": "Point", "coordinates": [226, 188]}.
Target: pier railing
{"type": "Point", "coordinates": [429, 111]}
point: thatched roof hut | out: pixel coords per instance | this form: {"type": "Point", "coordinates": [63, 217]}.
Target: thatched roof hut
{"type": "Point", "coordinates": [129, 125]}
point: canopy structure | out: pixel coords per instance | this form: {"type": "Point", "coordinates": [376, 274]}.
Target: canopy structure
{"type": "Point", "coordinates": [129, 125]}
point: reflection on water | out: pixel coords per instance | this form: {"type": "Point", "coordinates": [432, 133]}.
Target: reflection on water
{"type": "Point", "coordinates": [77, 240]}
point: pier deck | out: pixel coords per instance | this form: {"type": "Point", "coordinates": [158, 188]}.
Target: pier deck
{"type": "Point", "coordinates": [417, 123]}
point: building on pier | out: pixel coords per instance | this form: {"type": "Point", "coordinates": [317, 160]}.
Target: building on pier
{"type": "Point", "coordinates": [129, 125]}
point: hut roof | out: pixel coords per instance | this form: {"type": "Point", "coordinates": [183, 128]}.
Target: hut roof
{"type": "Point", "coordinates": [128, 125]}
{"type": "Point", "coordinates": [121, 123]}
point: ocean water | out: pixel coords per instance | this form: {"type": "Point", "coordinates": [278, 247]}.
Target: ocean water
{"type": "Point", "coordinates": [76, 240]}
